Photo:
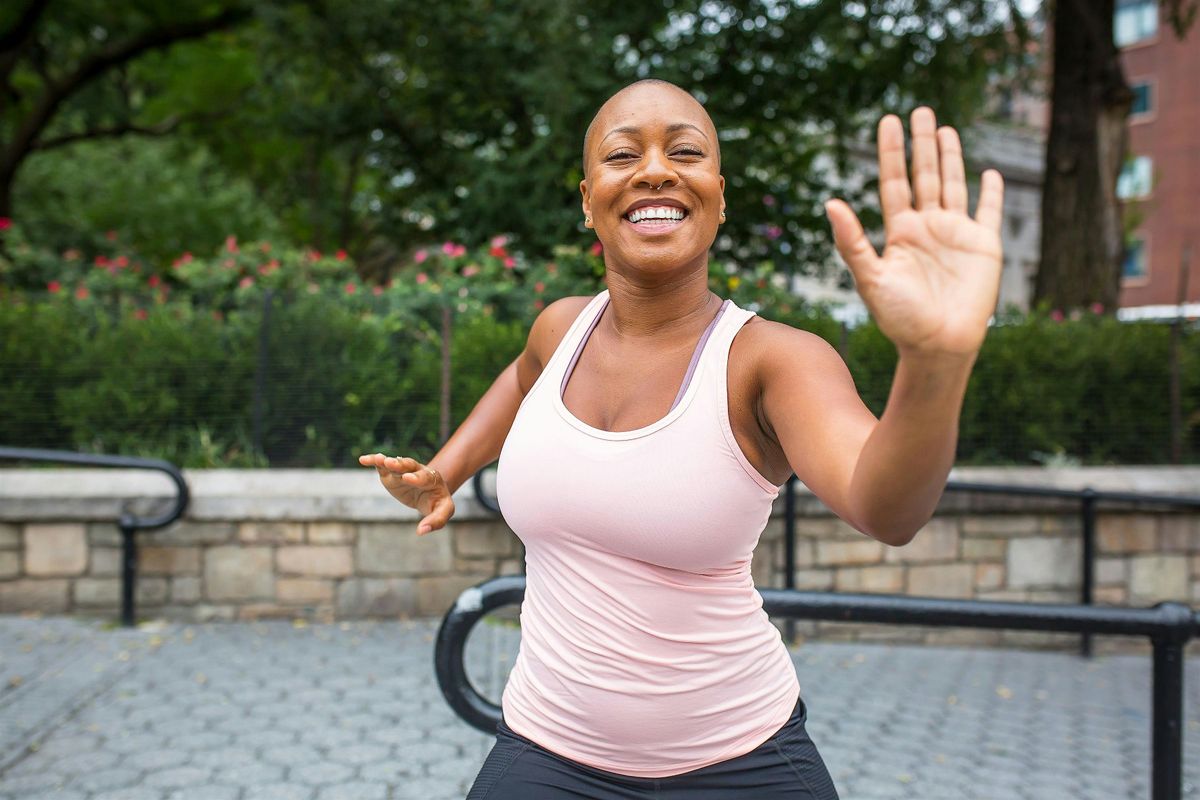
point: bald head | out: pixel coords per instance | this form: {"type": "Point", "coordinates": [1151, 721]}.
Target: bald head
{"type": "Point", "coordinates": [644, 91]}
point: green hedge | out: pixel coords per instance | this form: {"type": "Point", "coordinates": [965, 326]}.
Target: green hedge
{"type": "Point", "coordinates": [106, 354]}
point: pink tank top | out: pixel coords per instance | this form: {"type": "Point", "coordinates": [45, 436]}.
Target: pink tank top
{"type": "Point", "coordinates": [644, 649]}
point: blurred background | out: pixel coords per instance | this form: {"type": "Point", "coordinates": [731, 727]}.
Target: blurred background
{"type": "Point", "coordinates": [282, 234]}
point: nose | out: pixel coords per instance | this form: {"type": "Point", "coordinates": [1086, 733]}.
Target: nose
{"type": "Point", "coordinates": [655, 170]}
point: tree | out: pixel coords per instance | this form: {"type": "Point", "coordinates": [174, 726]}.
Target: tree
{"type": "Point", "coordinates": [1082, 236]}
{"type": "Point", "coordinates": [65, 78]}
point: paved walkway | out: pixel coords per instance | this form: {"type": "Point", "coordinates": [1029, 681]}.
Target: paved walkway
{"type": "Point", "coordinates": [254, 711]}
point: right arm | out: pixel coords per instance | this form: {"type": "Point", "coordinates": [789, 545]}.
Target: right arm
{"type": "Point", "coordinates": [478, 440]}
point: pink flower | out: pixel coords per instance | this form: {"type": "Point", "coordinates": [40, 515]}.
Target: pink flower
{"type": "Point", "coordinates": [140, 314]}
{"type": "Point", "coordinates": [122, 262]}
{"type": "Point", "coordinates": [186, 258]}
{"type": "Point", "coordinates": [470, 269]}
{"type": "Point", "coordinates": [1097, 308]}
{"type": "Point", "coordinates": [422, 277]}
{"type": "Point", "coordinates": [154, 281]}
{"type": "Point", "coordinates": [340, 255]}
{"type": "Point", "coordinates": [1056, 315]}
{"type": "Point", "coordinates": [510, 262]}
{"type": "Point", "coordinates": [110, 235]}
{"type": "Point", "coordinates": [774, 231]}
{"type": "Point", "coordinates": [231, 243]}
{"type": "Point", "coordinates": [377, 290]}
{"type": "Point", "coordinates": [538, 304]}
{"type": "Point", "coordinates": [497, 251]}
{"type": "Point", "coordinates": [499, 241]}
{"type": "Point", "coordinates": [265, 247]}
{"type": "Point", "coordinates": [768, 200]}
{"type": "Point", "coordinates": [350, 287]}
{"type": "Point", "coordinates": [539, 287]}
{"type": "Point", "coordinates": [54, 287]}
{"type": "Point", "coordinates": [596, 249]}
{"type": "Point", "coordinates": [82, 293]}
{"type": "Point", "coordinates": [420, 256]}
{"type": "Point", "coordinates": [552, 268]}
{"type": "Point", "coordinates": [453, 250]}
{"type": "Point", "coordinates": [101, 261]}
{"type": "Point", "coordinates": [246, 282]}
{"type": "Point", "coordinates": [5, 223]}
{"type": "Point", "coordinates": [70, 255]}
{"type": "Point", "coordinates": [314, 254]}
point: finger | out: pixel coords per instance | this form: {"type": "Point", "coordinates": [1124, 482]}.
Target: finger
{"type": "Point", "coordinates": [857, 251]}
{"type": "Point", "coordinates": [954, 176]}
{"type": "Point", "coordinates": [435, 521]}
{"type": "Point", "coordinates": [894, 195]}
{"type": "Point", "coordinates": [990, 208]}
{"type": "Point", "coordinates": [927, 185]}
{"type": "Point", "coordinates": [370, 460]}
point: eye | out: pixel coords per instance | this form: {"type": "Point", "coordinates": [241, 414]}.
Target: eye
{"type": "Point", "coordinates": [619, 155]}
{"type": "Point", "coordinates": [688, 151]}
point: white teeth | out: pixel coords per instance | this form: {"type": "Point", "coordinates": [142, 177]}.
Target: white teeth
{"type": "Point", "coordinates": [656, 212]}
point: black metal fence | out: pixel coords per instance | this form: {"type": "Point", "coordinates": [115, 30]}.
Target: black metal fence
{"type": "Point", "coordinates": [128, 522]}
{"type": "Point", "coordinates": [1169, 626]}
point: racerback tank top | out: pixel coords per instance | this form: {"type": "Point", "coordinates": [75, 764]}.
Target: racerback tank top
{"type": "Point", "coordinates": [645, 650]}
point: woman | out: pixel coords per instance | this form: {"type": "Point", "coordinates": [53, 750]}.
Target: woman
{"type": "Point", "coordinates": [644, 433]}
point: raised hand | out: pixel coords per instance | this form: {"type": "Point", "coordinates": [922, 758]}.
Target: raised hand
{"type": "Point", "coordinates": [415, 485]}
{"type": "Point", "coordinates": [937, 282]}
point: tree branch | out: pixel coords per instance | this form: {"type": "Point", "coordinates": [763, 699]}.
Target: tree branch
{"type": "Point", "coordinates": [99, 62]}
{"type": "Point", "coordinates": [13, 41]}
{"type": "Point", "coordinates": [160, 129]}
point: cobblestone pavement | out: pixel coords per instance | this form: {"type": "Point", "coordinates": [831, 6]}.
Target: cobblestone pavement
{"type": "Point", "coordinates": [351, 710]}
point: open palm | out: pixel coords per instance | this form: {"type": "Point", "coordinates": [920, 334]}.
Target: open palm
{"type": "Point", "coordinates": [937, 281]}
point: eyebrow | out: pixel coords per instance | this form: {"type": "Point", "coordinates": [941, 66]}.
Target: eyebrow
{"type": "Point", "coordinates": [678, 126]}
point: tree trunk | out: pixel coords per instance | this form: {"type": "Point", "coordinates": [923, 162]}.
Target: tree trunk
{"type": "Point", "coordinates": [1082, 239]}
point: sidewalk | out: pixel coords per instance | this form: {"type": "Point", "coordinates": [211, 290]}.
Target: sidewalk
{"type": "Point", "coordinates": [267, 710]}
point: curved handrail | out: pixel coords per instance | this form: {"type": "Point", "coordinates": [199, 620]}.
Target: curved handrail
{"type": "Point", "coordinates": [484, 499]}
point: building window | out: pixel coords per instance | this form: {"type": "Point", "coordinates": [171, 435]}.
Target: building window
{"type": "Point", "coordinates": [1134, 21]}
{"type": "Point", "coordinates": [1135, 178]}
{"type": "Point", "coordinates": [1134, 265]}
{"type": "Point", "coordinates": [1142, 99]}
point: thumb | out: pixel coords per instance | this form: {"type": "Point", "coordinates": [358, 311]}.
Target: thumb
{"type": "Point", "coordinates": [851, 241]}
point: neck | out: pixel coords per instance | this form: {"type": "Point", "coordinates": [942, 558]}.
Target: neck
{"type": "Point", "coordinates": [670, 306]}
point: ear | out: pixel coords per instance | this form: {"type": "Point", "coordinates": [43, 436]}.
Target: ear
{"type": "Point", "coordinates": [587, 202]}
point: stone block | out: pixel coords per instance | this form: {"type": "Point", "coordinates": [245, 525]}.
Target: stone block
{"type": "Point", "coordinates": [232, 572]}
{"type": "Point", "coordinates": [989, 575]}
{"type": "Point", "coordinates": [941, 580]}
{"type": "Point", "coordinates": [1111, 570]}
{"type": "Point", "coordinates": [48, 596]}
{"type": "Point", "coordinates": [97, 592]}
{"type": "Point", "coordinates": [206, 612]}
{"type": "Point", "coordinates": [762, 566]}
{"type": "Point", "coordinates": [253, 611]}
{"type": "Point", "coordinates": [184, 532]}
{"type": "Point", "coordinates": [1000, 525]}
{"type": "Point", "coordinates": [303, 590]}
{"type": "Point", "coordinates": [510, 566]}
{"type": "Point", "coordinates": [151, 591]}
{"type": "Point", "coordinates": [395, 549]}
{"type": "Point", "coordinates": [106, 534]}
{"type": "Point", "coordinates": [1154, 578]}
{"type": "Point", "coordinates": [960, 637]}
{"type": "Point", "coordinates": [330, 533]}
{"type": "Point", "coordinates": [10, 564]}
{"type": "Point", "coordinates": [815, 527]}
{"type": "Point", "coordinates": [105, 562]}
{"type": "Point", "coordinates": [1044, 562]}
{"type": "Point", "coordinates": [937, 541]}
{"type": "Point", "coordinates": [1061, 524]}
{"type": "Point", "coordinates": [258, 532]}
{"type": "Point", "coordinates": [984, 549]}
{"type": "Point", "coordinates": [483, 539]}
{"type": "Point", "coordinates": [849, 553]}
{"type": "Point", "coordinates": [377, 597]}
{"type": "Point", "coordinates": [814, 580]}
{"type": "Point", "coordinates": [1110, 595]}
{"type": "Point", "coordinates": [185, 589]}
{"type": "Point", "coordinates": [1179, 533]}
{"type": "Point", "coordinates": [1040, 640]}
{"type": "Point", "coordinates": [879, 579]}
{"type": "Point", "coordinates": [1004, 595]}
{"type": "Point", "coordinates": [437, 593]}
{"type": "Point", "coordinates": [1126, 533]}
{"type": "Point", "coordinates": [168, 560]}
{"type": "Point", "coordinates": [10, 536]}
{"type": "Point", "coordinates": [327, 561]}
{"type": "Point", "coordinates": [55, 549]}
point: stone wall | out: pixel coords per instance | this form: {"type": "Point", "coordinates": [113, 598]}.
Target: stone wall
{"type": "Point", "coordinates": [327, 545]}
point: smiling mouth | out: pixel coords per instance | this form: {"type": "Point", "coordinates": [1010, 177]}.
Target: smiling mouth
{"type": "Point", "coordinates": [656, 218]}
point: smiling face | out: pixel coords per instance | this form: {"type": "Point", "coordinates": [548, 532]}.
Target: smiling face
{"type": "Point", "coordinates": [646, 136]}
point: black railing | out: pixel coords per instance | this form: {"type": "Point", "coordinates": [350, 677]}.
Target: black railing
{"type": "Point", "coordinates": [1088, 499]}
{"type": "Point", "coordinates": [1169, 626]}
{"type": "Point", "coordinates": [127, 521]}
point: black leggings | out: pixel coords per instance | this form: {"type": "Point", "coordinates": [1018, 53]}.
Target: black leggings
{"type": "Point", "coordinates": [787, 765]}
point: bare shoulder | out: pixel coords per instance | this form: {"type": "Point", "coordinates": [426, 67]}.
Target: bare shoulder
{"type": "Point", "coordinates": [546, 334]}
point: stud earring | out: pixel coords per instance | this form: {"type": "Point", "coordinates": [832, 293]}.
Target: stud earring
{"type": "Point", "coordinates": [722, 216]}
{"type": "Point", "coordinates": [587, 220]}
